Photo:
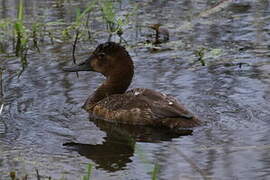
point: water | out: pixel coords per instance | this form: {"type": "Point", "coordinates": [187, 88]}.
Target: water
{"type": "Point", "coordinates": [42, 124]}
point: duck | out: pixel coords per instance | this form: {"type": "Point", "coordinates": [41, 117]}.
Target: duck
{"type": "Point", "coordinates": [113, 102]}
{"type": "Point", "coordinates": [160, 31]}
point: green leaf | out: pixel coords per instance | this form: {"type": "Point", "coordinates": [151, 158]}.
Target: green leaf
{"type": "Point", "coordinates": [78, 14]}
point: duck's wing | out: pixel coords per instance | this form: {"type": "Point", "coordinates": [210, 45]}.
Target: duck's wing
{"type": "Point", "coordinates": [144, 107]}
{"type": "Point", "coordinates": [161, 105]}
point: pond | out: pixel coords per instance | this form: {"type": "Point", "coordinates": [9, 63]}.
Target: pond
{"type": "Point", "coordinates": [43, 127]}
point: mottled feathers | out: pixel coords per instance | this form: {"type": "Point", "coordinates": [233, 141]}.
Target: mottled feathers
{"type": "Point", "coordinates": [144, 107]}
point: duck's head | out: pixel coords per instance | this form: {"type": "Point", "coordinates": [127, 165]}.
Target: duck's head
{"type": "Point", "coordinates": [154, 26]}
{"type": "Point", "coordinates": [109, 59]}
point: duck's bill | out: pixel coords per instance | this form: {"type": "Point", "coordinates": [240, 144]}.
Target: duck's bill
{"type": "Point", "coordinates": [84, 66]}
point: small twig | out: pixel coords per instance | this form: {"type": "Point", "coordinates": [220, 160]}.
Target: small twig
{"type": "Point", "coordinates": [23, 61]}
{"type": "Point", "coordinates": [157, 37]}
{"type": "Point", "coordinates": [74, 48]}
{"type": "Point", "coordinates": [121, 38]}
{"type": "Point", "coordinates": [18, 44]}
{"type": "Point", "coordinates": [1, 84]}
{"type": "Point", "coordinates": [38, 176]}
{"type": "Point", "coordinates": [120, 33]}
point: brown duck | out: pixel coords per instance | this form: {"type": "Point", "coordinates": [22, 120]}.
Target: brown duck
{"type": "Point", "coordinates": [160, 32]}
{"type": "Point", "coordinates": [111, 102]}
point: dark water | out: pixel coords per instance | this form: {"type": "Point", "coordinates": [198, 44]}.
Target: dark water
{"type": "Point", "coordinates": [42, 124]}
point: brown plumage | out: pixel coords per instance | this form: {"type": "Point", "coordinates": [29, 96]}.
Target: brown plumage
{"type": "Point", "coordinates": [160, 31]}
{"type": "Point", "coordinates": [139, 106]}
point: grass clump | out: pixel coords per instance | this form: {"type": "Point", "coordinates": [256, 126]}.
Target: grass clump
{"type": "Point", "coordinates": [114, 23]}
{"type": "Point", "coordinates": [18, 36]}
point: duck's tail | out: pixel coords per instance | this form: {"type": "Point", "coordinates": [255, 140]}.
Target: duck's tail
{"type": "Point", "coordinates": [181, 123]}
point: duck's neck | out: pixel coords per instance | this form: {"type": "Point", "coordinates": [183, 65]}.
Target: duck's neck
{"type": "Point", "coordinates": [116, 84]}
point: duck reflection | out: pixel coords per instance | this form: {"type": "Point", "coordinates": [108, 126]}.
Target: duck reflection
{"type": "Point", "coordinates": [118, 147]}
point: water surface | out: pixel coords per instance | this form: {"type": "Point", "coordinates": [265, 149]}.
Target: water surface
{"type": "Point", "coordinates": [44, 127]}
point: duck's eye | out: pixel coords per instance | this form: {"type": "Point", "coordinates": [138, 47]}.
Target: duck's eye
{"type": "Point", "coordinates": [101, 55]}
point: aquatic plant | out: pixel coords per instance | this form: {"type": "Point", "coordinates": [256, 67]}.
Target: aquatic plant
{"type": "Point", "coordinates": [155, 172]}
{"type": "Point", "coordinates": [14, 34]}
{"type": "Point", "coordinates": [113, 22]}
{"type": "Point", "coordinates": [208, 54]}
{"type": "Point", "coordinates": [18, 36]}
{"type": "Point", "coordinates": [79, 29]}
{"type": "Point", "coordinates": [89, 172]}
{"type": "Point", "coordinates": [21, 36]}
{"type": "Point", "coordinates": [200, 54]}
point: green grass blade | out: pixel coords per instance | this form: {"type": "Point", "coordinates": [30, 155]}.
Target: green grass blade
{"type": "Point", "coordinates": [155, 172]}
{"type": "Point", "coordinates": [89, 172]}
{"type": "Point", "coordinates": [20, 12]}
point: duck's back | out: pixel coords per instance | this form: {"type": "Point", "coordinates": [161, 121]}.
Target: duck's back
{"type": "Point", "coordinates": [144, 107]}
